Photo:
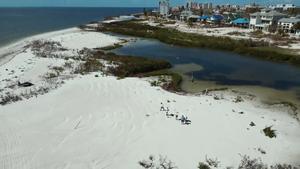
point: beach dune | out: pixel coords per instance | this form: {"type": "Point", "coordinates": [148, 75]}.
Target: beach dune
{"type": "Point", "coordinates": [100, 121]}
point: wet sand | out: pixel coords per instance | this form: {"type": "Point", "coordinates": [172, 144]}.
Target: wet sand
{"type": "Point", "coordinates": [264, 94]}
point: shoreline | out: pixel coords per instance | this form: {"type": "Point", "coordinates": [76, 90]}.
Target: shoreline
{"type": "Point", "coordinates": [16, 47]}
{"type": "Point", "coordinates": [20, 44]}
{"type": "Point", "coordinates": [95, 119]}
{"type": "Point", "coordinates": [245, 47]}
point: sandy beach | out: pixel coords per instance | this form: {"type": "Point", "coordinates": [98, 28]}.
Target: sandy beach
{"type": "Point", "coordinates": [68, 120]}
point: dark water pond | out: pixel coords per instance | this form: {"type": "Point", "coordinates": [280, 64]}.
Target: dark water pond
{"type": "Point", "coordinates": [223, 68]}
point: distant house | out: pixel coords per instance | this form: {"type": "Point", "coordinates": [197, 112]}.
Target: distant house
{"type": "Point", "coordinates": [283, 7]}
{"type": "Point", "coordinates": [164, 7]}
{"type": "Point", "coordinates": [185, 15]}
{"type": "Point", "coordinates": [216, 19]}
{"type": "Point", "coordinates": [287, 24]}
{"type": "Point", "coordinates": [204, 18]}
{"type": "Point", "coordinates": [241, 22]}
{"type": "Point", "coordinates": [229, 17]}
{"type": "Point", "coordinates": [265, 20]}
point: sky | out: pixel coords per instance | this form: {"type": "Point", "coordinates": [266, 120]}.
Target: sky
{"type": "Point", "coordinates": [125, 3]}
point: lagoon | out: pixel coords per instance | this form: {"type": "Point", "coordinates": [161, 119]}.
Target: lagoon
{"type": "Point", "coordinates": [213, 68]}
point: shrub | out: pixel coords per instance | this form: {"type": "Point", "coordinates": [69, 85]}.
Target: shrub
{"type": "Point", "coordinates": [161, 163]}
{"type": "Point", "coordinates": [45, 48]}
{"type": "Point", "coordinates": [133, 66]}
{"type": "Point", "coordinates": [9, 98]}
{"type": "Point", "coordinates": [247, 163]}
{"type": "Point", "coordinates": [202, 165]}
{"type": "Point", "coordinates": [51, 75]}
{"type": "Point", "coordinates": [173, 85]}
{"type": "Point", "coordinates": [90, 65]}
{"type": "Point", "coordinates": [282, 166]}
{"type": "Point", "coordinates": [269, 132]}
{"type": "Point", "coordinates": [238, 99]}
{"type": "Point", "coordinates": [212, 162]}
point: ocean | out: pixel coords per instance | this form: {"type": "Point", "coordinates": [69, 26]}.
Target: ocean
{"type": "Point", "coordinates": [18, 23]}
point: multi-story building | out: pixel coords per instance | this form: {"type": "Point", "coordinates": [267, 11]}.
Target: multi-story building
{"type": "Point", "coordinates": [265, 19]}
{"type": "Point", "coordinates": [210, 6]}
{"type": "Point", "coordinates": [205, 6]}
{"type": "Point", "coordinates": [164, 7]}
{"type": "Point", "coordinates": [287, 24]}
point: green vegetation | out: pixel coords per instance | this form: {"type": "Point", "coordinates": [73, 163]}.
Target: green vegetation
{"type": "Point", "coordinates": [203, 166]}
{"type": "Point", "coordinates": [173, 85]}
{"type": "Point", "coordinates": [134, 66]}
{"type": "Point", "coordinates": [131, 66]}
{"type": "Point", "coordinates": [256, 49]}
{"type": "Point", "coordinates": [269, 132]}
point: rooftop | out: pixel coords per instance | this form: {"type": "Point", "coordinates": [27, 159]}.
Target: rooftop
{"type": "Point", "coordinates": [290, 20]}
{"type": "Point", "coordinates": [271, 13]}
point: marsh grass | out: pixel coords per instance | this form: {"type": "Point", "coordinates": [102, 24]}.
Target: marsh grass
{"type": "Point", "coordinates": [258, 49]}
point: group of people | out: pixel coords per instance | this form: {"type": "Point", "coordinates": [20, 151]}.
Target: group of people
{"type": "Point", "coordinates": [183, 119]}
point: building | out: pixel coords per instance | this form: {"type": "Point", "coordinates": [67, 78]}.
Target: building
{"type": "Point", "coordinates": [204, 18]}
{"type": "Point", "coordinates": [283, 7]}
{"type": "Point", "coordinates": [216, 19]}
{"type": "Point", "coordinates": [185, 15]}
{"type": "Point", "coordinates": [210, 6]}
{"type": "Point", "coordinates": [205, 6]}
{"type": "Point", "coordinates": [241, 22]}
{"type": "Point", "coordinates": [265, 20]}
{"type": "Point", "coordinates": [164, 7]}
{"type": "Point", "coordinates": [287, 24]}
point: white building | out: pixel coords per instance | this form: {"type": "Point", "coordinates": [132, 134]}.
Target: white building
{"type": "Point", "coordinates": [287, 24]}
{"type": "Point", "coordinates": [264, 20]}
{"type": "Point", "coordinates": [164, 7]}
{"type": "Point", "coordinates": [283, 7]}
{"type": "Point", "coordinates": [185, 15]}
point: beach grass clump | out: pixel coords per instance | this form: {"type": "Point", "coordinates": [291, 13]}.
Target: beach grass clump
{"type": "Point", "coordinates": [202, 165]}
{"type": "Point", "coordinates": [46, 48]}
{"type": "Point", "coordinates": [247, 47]}
{"type": "Point", "coordinates": [238, 99]}
{"type": "Point", "coordinates": [133, 66]}
{"type": "Point", "coordinates": [282, 166]}
{"type": "Point", "coordinates": [269, 132]}
{"type": "Point", "coordinates": [9, 98]}
{"type": "Point", "coordinates": [212, 162]}
{"type": "Point", "coordinates": [160, 163]}
{"type": "Point", "coordinates": [236, 33]}
{"type": "Point", "coordinates": [89, 65]}
{"type": "Point", "coordinates": [173, 85]}
{"type": "Point", "coordinates": [51, 75]}
{"type": "Point", "coordinates": [248, 163]}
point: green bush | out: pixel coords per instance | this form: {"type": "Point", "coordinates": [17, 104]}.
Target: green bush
{"type": "Point", "coordinates": [269, 132]}
{"type": "Point", "coordinates": [203, 166]}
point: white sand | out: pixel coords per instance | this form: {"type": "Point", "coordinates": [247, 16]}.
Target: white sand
{"type": "Point", "coordinates": [103, 122]}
